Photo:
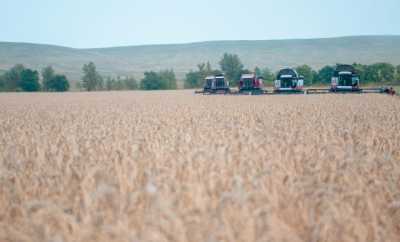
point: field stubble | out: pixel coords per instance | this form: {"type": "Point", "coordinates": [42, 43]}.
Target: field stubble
{"type": "Point", "coordinates": [171, 166]}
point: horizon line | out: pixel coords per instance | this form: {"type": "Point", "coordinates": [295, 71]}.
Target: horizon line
{"type": "Point", "coordinates": [201, 42]}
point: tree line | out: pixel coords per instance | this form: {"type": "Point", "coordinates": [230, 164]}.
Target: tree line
{"type": "Point", "coordinates": [19, 78]}
{"type": "Point", "coordinates": [92, 80]}
{"type": "Point", "coordinates": [233, 68]}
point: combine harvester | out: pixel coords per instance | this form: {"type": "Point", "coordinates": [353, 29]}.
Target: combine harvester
{"type": "Point", "coordinates": [346, 80]}
{"type": "Point", "coordinates": [215, 85]}
{"type": "Point", "coordinates": [251, 84]}
{"type": "Point", "coordinates": [288, 81]}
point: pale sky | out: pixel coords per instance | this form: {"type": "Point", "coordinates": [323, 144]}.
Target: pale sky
{"type": "Point", "coordinates": [103, 23]}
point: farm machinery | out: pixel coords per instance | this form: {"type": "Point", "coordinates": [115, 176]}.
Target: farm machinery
{"type": "Point", "coordinates": [346, 80]}
{"type": "Point", "coordinates": [251, 84]}
{"type": "Point", "coordinates": [215, 85]}
{"type": "Point", "coordinates": [288, 81]}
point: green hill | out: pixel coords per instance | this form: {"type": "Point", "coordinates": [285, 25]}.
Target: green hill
{"type": "Point", "coordinates": [134, 60]}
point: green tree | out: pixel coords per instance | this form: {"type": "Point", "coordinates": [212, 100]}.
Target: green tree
{"type": "Point", "coordinates": [48, 74]}
{"type": "Point", "coordinates": [244, 71]}
{"type": "Point", "coordinates": [53, 81]}
{"type": "Point", "coordinates": [100, 83]}
{"type": "Point", "coordinates": [2, 83]}
{"type": "Point", "coordinates": [193, 79]}
{"type": "Point", "coordinates": [325, 74]}
{"type": "Point", "coordinates": [130, 83]}
{"type": "Point", "coordinates": [268, 76]}
{"type": "Point", "coordinates": [209, 69]}
{"type": "Point", "coordinates": [12, 78]}
{"type": "Point", "coordinates": [158, 80]}
{"type": "Point", "coordinates": [79, 86]}
{"type": "Point", "coordinates": [398, 74]}
{"type": "Point", "coordinates": [232, 67]}
{"type": "Point", "coordinates": [205, 69]}
{"type": "Point", "coordinates": [386, 72]}
{"type": "Point", "coordinates": [378, 72]}
{"type": "Point", "coordinates": [371, 73]}
{"type": "Point", "coordinates": [126, 83]}
{"type": "Point", "coordinates": [91, 78]}
{"type": "Point", "coordinates": [29, 80]}
{"type": "Point", "coordinates": [216, 72]}
{"type": "Point", "coordinates": [315, 77]}
{"type": "Point", "coordinates": [307, 72]}
{"type": "Point", "coordinates": [257, 71]}
{"type": "Point", "coordinates": [361, 71]}
{"type": "Point", "coordinates": [58, 83]}
{"type": "Point", "coordinates": [119, 84]}
{"type": "Point", "coordinates": [152, 81]}
{"type": "Point", "coordinates": [168, 77]}
{"type": "Point", "coordinates": [109, 83]}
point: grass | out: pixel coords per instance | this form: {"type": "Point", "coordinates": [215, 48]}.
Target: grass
{"type": "Point", "coordinates": [173, 166]}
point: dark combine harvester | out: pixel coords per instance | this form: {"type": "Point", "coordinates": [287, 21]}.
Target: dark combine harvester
{"type": "Point", "coordinates": [346, 80]}
{"type": "Point", "coordinates": [215, 85]}
{"type": "Point", "coordinates": [288, 81]}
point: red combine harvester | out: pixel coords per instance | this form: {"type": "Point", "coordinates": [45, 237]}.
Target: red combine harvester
{"type": "Point", "coordinates": [251, 84]}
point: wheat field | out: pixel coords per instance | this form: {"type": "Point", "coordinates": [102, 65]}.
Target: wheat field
{"type": "Point", "coordinates": [173, 166]}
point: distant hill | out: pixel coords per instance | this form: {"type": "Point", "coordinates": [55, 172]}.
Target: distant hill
{"type": "Point", "coordinates": [134, 60]}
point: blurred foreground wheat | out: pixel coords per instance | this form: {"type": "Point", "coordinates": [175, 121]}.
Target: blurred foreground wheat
{"type": "Point", "coordinates": [172, 166]}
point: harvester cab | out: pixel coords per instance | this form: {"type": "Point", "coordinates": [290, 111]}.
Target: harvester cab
{"type": "Point", "coordinates": [345, 79]}
{"type": "Point", "coordinates": [288, 81]}
{"type": "Point", "coordinates": [221, 85]}
{"type": "Point", "coordinates": [209, 80]}
{"type": "Point", "coordinates": [250, 83]}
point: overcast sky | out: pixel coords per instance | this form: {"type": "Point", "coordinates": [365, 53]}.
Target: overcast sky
{"type": "Point", "coordinates": [102, 23]}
